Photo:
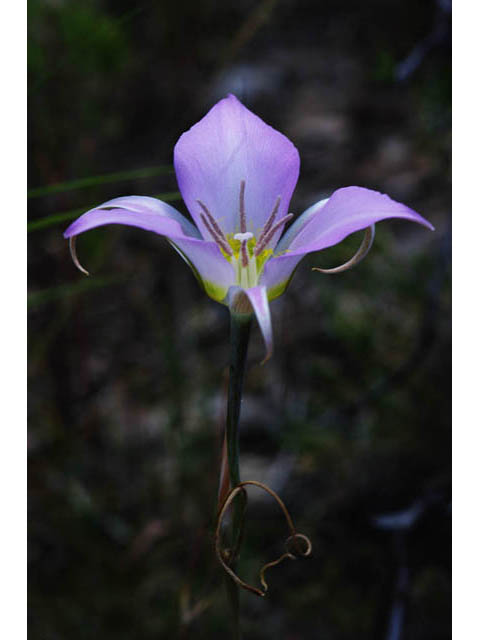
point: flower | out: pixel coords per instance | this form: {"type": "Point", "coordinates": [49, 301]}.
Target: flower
{"type": "Point", "coordinates": [236, 175]}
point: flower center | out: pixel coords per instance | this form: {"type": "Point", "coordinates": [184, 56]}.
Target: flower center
{"type": "Point", "coordinates": [243, 250]}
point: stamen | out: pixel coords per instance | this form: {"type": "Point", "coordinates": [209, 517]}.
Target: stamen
{"type": "Point", "coordinates": [243, 215]}
{"type": "Point", "coordinates": [266, 239]}
{"type": "Point", "coordinates": [360, 254]}
{"type": "Point", "coordinates": [221, 241]}
{"type": "Point", "coordinates": [73, 252]}
{"type": "Point", "coordinates": [270, 220]}
{"type": "Point", "coordinates": [214, 229]}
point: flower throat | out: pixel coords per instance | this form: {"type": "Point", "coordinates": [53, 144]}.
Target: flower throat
{"type": "Point", "coordinates": [243, 250]}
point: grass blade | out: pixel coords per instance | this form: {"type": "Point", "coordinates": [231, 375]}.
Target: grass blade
{"type": "Point", "coordinates": [82, 183]}
{"type": "Point", "coordinates": [36, 298]}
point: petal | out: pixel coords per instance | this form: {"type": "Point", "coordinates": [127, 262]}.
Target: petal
{"type": "Point", "coordinates": [228, 145]}
{"type": "Point", "coordinates": [348, 210]}
{"type": "Point", "coordinates": [295, 228]}
{"type": "Point", "coordinates": [213, 271]}
{"type": "Point", "coordinates": [278, 272]}
{"type": "Point", "coordinates": [258, 299]}
{"type": "Point", "coordinates": [326, 223]}
{"type": "Point", "coordinates": [137, 211]}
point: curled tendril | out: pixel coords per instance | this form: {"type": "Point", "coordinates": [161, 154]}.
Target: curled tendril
{"type": "Point", "coordinates": [362, 251]}
{"type": "Point", "coordinates": [293, 546]}
{"type": "Point", "coordinates": [72, 243]}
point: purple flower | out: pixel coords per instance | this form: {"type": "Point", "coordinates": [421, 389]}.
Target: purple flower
{"type": "Point", "coordinates": [237, 175]}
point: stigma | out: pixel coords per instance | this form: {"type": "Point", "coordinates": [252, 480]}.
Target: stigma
{"type": "Point", "coordinates": [243, 237]}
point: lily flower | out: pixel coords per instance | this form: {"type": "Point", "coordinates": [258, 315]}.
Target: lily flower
{"type": "Point", "coordinates": [236, 175]}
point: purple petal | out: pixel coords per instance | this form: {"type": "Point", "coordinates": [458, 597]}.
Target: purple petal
{"type": "Point", "coordinates": [228, 145]}
{"type": "Point", "coordinates": [259, 301]}
{"type": "Point", "coordinates": [348, 210]}
{"type": "Point", "coordinates": [215, 272]}
{"type": "Point", "coordinates": [136, 211]}
{"type": "Point", "coordinates": [298, 224]}
{"type": "Point", "coordinates": [212, 269]}
{"type": "Point", "coordinates": [278, 272]}
{"type": "Point", "coordinates": [326, 223]}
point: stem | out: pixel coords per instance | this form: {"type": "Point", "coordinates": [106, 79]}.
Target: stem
{"type": "Point", "coordinates": [239, 335]}
{"type": "Point", "coordinates": [240, 324]}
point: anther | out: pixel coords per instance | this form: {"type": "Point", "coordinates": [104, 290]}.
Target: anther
{"type": "Point", "coordinates": [270, 221]}
{"type": "Point", "coordinates": [267, 237]}
{"type": "Point", "coordinates": [214, 229]}
{"type": "Point", "coordinates": [218, 239]}
{"type": "Point", "coordinates": [243, 215]}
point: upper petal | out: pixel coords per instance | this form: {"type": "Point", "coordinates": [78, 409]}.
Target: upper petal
{"type": "Point", "coordinates": [136, 211]}
{"type": "Point", "coordinates": [228, 145]}
{"type": "Point", "coordinates": [348, 210]}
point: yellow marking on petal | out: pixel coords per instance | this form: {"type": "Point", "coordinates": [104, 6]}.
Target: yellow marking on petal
{"type": "Point", "coordinates": [215, 291]}
{"type": "Point", "coordinates": [283, 253]}
{"type": "Point", "coordinates": [262, 258]}
{"type": "Point", "coordinates": [277, 290]}
{"type": "Point", "coordinates": [225, 254]}
{"type": "Point", "coordinates": [236, 246]}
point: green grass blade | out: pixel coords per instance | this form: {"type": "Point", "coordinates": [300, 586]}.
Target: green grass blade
{"type": "Point", "coordinates": [37, 298]}
{"type": "Point", "coordinates": [70, 185]}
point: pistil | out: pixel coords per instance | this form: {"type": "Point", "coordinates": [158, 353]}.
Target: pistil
{"type": "Point", "coordinates": [247, 268]}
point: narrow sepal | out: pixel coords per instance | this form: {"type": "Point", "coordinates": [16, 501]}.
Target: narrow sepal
{"type": "Point", "coordinates": [254, 300]}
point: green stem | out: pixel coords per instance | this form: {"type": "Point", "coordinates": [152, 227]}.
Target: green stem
{"type": "Point", "coordinates": [239, 336]}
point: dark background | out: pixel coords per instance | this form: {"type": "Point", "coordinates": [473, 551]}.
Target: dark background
{"type": "Point", "coordinates": [350, 420]}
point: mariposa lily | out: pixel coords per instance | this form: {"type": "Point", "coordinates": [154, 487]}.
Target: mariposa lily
{"type": "Point", "coordinates": [236, 175]}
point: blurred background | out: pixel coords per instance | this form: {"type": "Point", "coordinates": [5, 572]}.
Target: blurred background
{"type": "Point", "coordinates": [349, 421]}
